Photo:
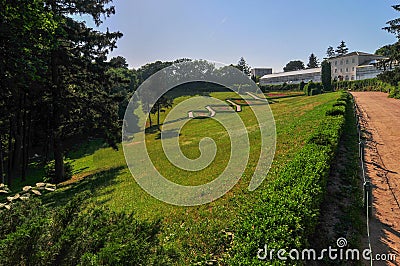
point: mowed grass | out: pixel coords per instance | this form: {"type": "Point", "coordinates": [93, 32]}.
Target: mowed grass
{"type": "Point", "coordinates": [197, 233]}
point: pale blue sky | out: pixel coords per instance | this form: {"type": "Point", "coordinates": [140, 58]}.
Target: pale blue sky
{"type": "Point", "coordinates": [266, 33]}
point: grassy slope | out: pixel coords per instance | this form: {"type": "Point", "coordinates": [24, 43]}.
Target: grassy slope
{"type": "Point", "coordinates": [196, 232]}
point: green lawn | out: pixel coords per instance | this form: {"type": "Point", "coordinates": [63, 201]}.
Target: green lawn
{"type": "Point", "coordinates": [198, 233]}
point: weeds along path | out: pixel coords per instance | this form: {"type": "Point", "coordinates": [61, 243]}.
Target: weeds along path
{"type": "Point", "coordinates": [380, 121]}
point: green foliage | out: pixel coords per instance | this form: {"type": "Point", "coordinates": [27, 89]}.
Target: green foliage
{"type": "Point", "coordinates": [395, 92]}
{"type": "Point", "coordinates": [294, 65]}
{"type": "Point", "coordinates": [32, 234]}
{"type": "Point", "coordinates": [288, 210]}
{"type": "Point", "coordinates": [374, 84]}
{"type": "Point", "coordinates": [301, 85]}
{"type": "Point", "coordinates": [330, 52]}
{"type": "Point", "coordinates": [393, 26]}
{"type": "Point", "coordinates": [312, 88]}
{"type": "Point", "coordinates": [326, 75]}
{"type": "Point", "coordinates": [243, 66]}
{"type": "Point", "coordinates": [342, 49]}
{"type": "Point", "coordinates": [281, 87]}
{"type": "Point", "coordinates": [312, 61]}
{"type": "Point", "coordinates": [50, 171]}
{"type": "Point", "coordinates": [336, 111]}
{"type": "Point", "coordinates": [391, 77]}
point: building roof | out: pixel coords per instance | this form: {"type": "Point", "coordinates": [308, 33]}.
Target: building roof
{"type": "Point", "coordinates": [292, 73]}
{"type": "Point", "coordinates": [355, 53]}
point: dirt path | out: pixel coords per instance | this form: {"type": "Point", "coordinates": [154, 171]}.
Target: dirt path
{"type": "Point", "coordinates": [380, 117]}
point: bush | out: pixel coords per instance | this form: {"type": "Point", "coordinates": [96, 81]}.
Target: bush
{"type": "Point", "coordinates": [312, 88]}
{"type": "Point", "coordinates": [336, 111]}
{"type": "Point", "coordinates": [32, 234]}
{"type": "Point", "coordinates": [50, 172]}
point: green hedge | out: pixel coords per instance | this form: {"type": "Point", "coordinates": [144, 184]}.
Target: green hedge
{"type": "Point", "coordinates": [373, 84]}
{"type": "Point", "coordinates": [282, 87]}
{"type": "Point", "coordinates": [289, 207]}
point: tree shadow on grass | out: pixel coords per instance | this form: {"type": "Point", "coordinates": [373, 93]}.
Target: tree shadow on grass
{"type": "Point", "coordinates": [85, 148]}
{"type": "Point", "coordinates": [92, 183]}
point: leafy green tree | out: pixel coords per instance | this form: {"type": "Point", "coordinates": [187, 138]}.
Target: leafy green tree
{"type": "Point", "coordinates": [294, 65]}
{"type": "Point", "coordinates": [125, 81]}
{"type": "Point", "coordinates": [326, 75]}
{"type": "Point", "coordinates": [118, 62]}
{"type": "Point", "coordinates": [391, 76]}
{"type": "Point", "coordinates": [330, 52]}
{"type": "Point", "coordinates": [162, 103]}
{"type": "Point", "coordinates": [312, 61]}
{"type": "Point", "coordinates": [342, 49]}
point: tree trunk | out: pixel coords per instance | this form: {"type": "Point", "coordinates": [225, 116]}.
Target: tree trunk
{"type": "Point", "coordinates": [151, 122]}
{"type": "Point", "coordinates": [56, 119]}
{"type": "Point", "coordinates": [18, 128]}
{"type": "Point", "coordinates": [1, 162]}
{"type": "Point", "coordinates": [58, 161]}
{"type": "Point", "coordinates": [9, 153]}
{"type": "Point", "coordinates": [24, 141]}
{"type": "Point", "coordinates": [158, 116]}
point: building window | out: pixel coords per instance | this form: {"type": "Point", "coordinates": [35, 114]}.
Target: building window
{"type": "Point", "coordinates": [347, 78]}
{"type": "Point", "coordinates": [347, 69]}
{"type": "Point", "coordinates": [335, 70]}
{"type": "Point", "coordinates": [341, 62]}
{"type": "Point", "coordinates": [352, 77]}
{"type": "Point", "coordinates": [352, 69]}
{"type": "Point", "coordinates": [335, 63]}
{"type": "Point", "coordinates": [341, 70]}
{"type": "Point", "coordinates": [347, 61]}
{"type": "Point", "coordinates": [353, 60]}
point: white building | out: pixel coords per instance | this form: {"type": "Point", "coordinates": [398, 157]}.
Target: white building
{"type": "Point", "coordinates": [351, 66]}
{"type": "Point", "coordinates": [292, 77]}
{"type": "Point", "coordinates": [355, 66]}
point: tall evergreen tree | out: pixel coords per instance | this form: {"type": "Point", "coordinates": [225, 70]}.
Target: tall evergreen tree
{"type": "Point", "coordinates": [243, 66]}
{"type": "Point", "coordinates": [326, 75]}
{"type": "Point", "coordinates": [330, 52]}
{"type": "Point", "coordinates": [393, 26]}
{"type": "Point", "coordinates": [312, 61]}
{"type": "Point", "coordinates": [26, 30]}
{"type": "Point", "coordinates": [78, 84]}
{"type": "Point", "coordinates": [342, 48]}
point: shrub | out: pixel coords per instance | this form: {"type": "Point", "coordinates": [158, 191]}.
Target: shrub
{"type": "Point", "coordinates": [308, 87]}
{"type": "Point", "coordinates": [340, 103]}
{"type": "Point", "coordinates": [336, 111]}
{"type": "Point", "coordinates": [32, 234]}
{"type": "Point", "coordinates": [50, 172]}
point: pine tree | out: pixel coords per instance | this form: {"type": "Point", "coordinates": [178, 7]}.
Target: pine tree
{"type": "Point", "coordinates": [312, 61]}
{"type": "Point", "coordinates": [342, 48]}
{"type": "Point", "coordinates": [78, 85]}
{"type": "Point", "coordinates": [243, 66]}
{"type": "Point", "coordinates": [394, 25]}
{"type": "Point", "coordinates": [330, 52]}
